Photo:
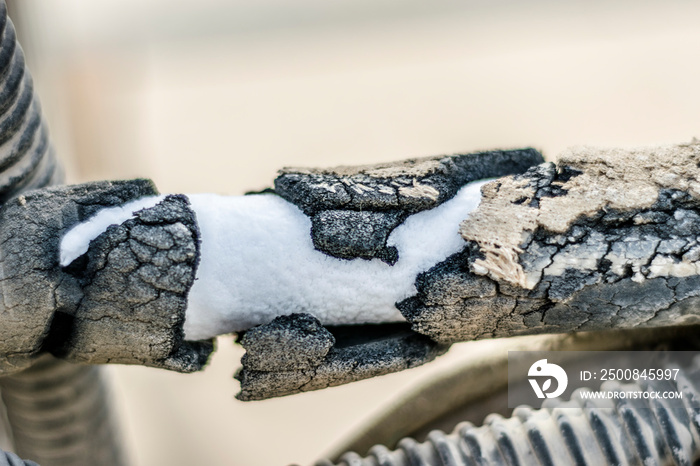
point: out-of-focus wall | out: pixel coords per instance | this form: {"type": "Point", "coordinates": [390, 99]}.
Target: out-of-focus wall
{"type": "Point", "coordinates": [216, 95]}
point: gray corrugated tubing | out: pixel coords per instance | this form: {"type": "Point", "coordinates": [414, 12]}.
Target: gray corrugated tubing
{"type": "Point", "coordinates": [58, 411]}
{"type": "Point", "coordinates": [10, 459]}
{"type": "Point", "coordinates": [577, 432]}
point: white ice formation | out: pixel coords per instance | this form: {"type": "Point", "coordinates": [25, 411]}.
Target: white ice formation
{"type": "Point", "coordinates": [258, 262]}
{"type": "Point", "coordinates": [76, 241]}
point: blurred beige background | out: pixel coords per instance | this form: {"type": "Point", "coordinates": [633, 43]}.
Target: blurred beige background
{"type": "Point", "coordinates": [216, 95]}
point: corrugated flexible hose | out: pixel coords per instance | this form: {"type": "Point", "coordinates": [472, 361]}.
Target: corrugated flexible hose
{"type": "Point", "coordinates": [582, 431]}
{"type": "Point", "coordinates": [58, 411]}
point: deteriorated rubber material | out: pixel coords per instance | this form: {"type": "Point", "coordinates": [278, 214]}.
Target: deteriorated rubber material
{"type": "Point", "coordinates": [354, 209]}
{"type": "Point", "coordinates": [124, 301]}
{"type": "Point", "coordinates": [608, 431]}
{"type": "Point", "coordinates": [605, 239]}
{"type": "Point", "coordinates": [295, 353]}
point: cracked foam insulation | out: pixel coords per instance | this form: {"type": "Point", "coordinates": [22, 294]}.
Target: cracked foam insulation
{"type": "Point", "coordinates": [606, 239]}
{"type": "Point", "coordinates": [589, 180]}
{"type": "Point", "coordinates": [119, 304]}
{"type": "Point", "coordinates": [341, 202]}
{"type": "Point", "coordinates": [344, 202]}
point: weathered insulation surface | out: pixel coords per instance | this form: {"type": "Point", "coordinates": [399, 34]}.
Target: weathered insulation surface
{"type": "Point", "coordinates": [125, 302]}
{"type": "Point", "coordinates": [581, 431]}
{"type": "Point", "coordinates": [295, 353]}
{"type": "Point", "coordinates": [354, 209]}
{"type": "Point", "coordinates": [605, 239]}
{"type": "Point", "coordinates": [134, 293]}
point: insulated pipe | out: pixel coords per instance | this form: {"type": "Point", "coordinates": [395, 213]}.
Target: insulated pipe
{"type": "Point", "coordinates": [603, 240]}
{"type": "Point", "coordinates": [58, 411]}
{"type": "Point", "coordinates": [606, 238]}
{"type": "Point", "coordinates": [348, 273]}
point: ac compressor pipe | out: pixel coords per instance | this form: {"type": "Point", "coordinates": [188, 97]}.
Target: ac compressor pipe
{"type": "Point", "coordinates": [115, 272]}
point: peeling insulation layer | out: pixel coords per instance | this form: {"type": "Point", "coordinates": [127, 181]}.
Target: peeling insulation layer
{"type": "Point", "coordinates": [258, 261]}
{"type": "Point", "coordinates": [603, 239]}
{"type": "Point", "coordinates": [123, 301]}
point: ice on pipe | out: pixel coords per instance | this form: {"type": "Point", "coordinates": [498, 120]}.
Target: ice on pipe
{"type": "Point", "coordinates": [76, 241]}
{"type": "Point", "coordinates": [258, 262]}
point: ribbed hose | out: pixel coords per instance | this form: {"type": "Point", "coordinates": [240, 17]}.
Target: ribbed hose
{"type": "Point", "coordinates": [26, 158]}
{"type": "Point", "coordinates": [10, 459]}
{"type": "Point", "coordinates": [580, 431]}
{"type": "Point", "coordinates": [58, 411]}
{"type": "Point", "coordinates": [59, 414]}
